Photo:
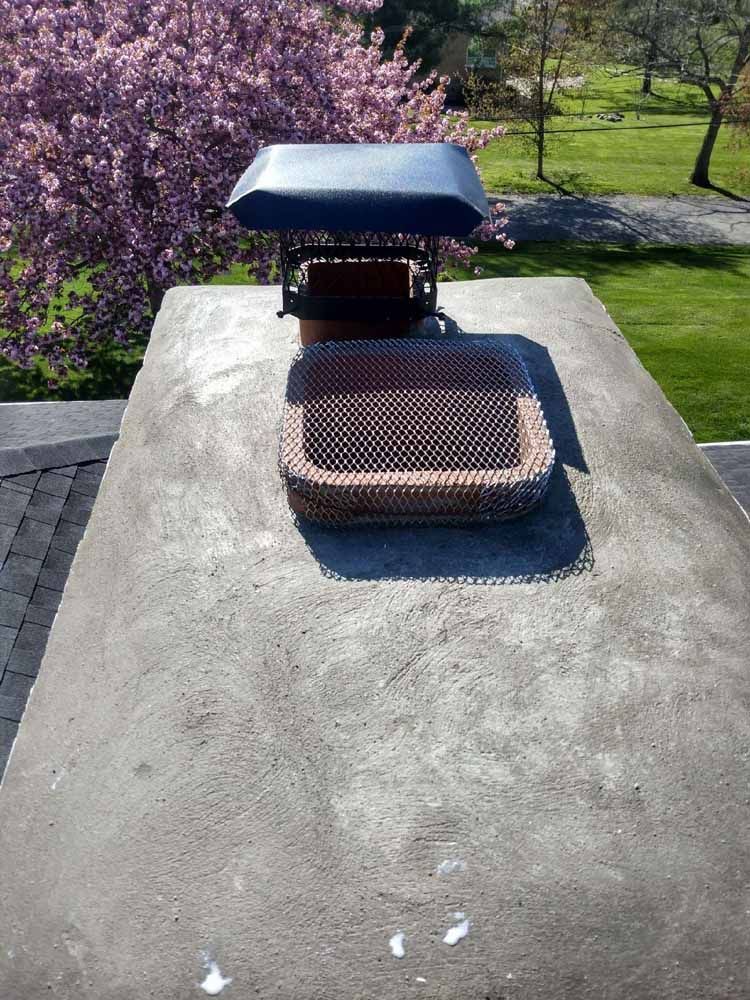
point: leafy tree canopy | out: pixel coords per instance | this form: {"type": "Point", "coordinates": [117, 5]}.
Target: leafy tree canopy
{"type": "Point", "coordinates": [124, 126]}
{"type": "Point", "coordinates": [430, 22]}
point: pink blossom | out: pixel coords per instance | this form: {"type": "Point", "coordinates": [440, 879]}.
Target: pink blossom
{"type": "Point", "coordinates": [124, 125]}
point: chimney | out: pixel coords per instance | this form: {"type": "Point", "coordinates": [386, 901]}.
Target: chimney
{"type": "Point", "coordinates": [382, 422]}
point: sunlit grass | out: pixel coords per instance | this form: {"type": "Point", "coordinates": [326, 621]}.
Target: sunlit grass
{"type": "Point", "coordinates": [684, 311]}
{"type": "Point", "coordinates": [616, 158]}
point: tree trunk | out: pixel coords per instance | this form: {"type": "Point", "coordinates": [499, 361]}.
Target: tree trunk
{"type": "Point", "coordinates": [653, 51]}
{"type": "Point", "coordinates": [540, 124]}
{"type": "Point", "coordinates": [155, 296]}
{"type": "Point", "coordinates": [699, 176]}
{"type": "Point", "coordinates": [540, 149]}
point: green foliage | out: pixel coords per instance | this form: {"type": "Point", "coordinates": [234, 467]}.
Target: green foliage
{"type": "Point", "coordinates": [541, 44]}
{"type": "Point", "coordinates": [430, 23]}
{"type": "Point", "coordinates": [610, 160]}
{"type": "Point", "coordinates": [695, 39]}
{"type": "Point", "coordinates": [428, 20]}
{"type": "Point", "coordinates": [704, 42]}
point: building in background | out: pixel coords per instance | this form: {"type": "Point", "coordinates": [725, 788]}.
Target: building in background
{"type": "Point", "coordinates": [464, 53]}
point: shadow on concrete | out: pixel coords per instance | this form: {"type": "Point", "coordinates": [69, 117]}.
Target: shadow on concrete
{"type": "Point", "coordinates": [548, 544]}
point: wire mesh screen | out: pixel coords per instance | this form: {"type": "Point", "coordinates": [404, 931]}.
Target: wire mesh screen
{"type": "Point", "coordinates": [412, 430]}
{"type": "Point", "coordinates": [360, 276]}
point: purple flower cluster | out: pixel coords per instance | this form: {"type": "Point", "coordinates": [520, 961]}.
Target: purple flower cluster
{"type": "Point", "coordinates": [124, 125]}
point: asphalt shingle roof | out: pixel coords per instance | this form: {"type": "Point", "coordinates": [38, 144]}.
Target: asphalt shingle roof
{"type": "Point", "coordinates": [52, 459]}
{"type": "Point", "coordinates": [732, 462]}
{"type": "Point", "coordinates": [42, 518]}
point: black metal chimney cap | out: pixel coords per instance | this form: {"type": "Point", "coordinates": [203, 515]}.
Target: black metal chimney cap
{"type": "Point", "coordinates": [429, 189]}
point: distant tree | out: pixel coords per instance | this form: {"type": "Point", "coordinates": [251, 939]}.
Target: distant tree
{"type": "Point", "coordinates": [586, 56]}
{"type": "Point", "coordinates": [642, 50]}
{"type": "Point", "coordinates": [738, 108]}
{"type": "Point", "coordinates": [539, 45]}
{"type": "Point", "coordinates": [428, 24]}
{"type": "Point", "coordinates": [702, 42]}
{"type": "Point", "coordinates": [738, 113]}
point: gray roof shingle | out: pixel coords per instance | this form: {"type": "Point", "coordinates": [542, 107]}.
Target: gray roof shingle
{"type": "Point", "coordinates": [43, 515]}
{"type": "Point", "coordinates": [732, 462]}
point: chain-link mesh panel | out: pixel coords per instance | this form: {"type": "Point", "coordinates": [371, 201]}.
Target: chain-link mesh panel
{"type": "Point", "coordinates": [412, 430]}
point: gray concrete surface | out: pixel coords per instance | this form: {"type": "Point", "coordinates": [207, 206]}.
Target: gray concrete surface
{"type": "Point", "coordinates": [259, 746]}
{"type": "Point", "coordinates": [628, 218]}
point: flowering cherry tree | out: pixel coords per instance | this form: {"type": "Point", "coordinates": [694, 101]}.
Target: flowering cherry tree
{"type": "Point", "coordinates": [124, 125]}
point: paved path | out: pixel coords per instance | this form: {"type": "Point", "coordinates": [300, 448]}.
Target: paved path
{"type": "Point", "coordinates": [628, 219]}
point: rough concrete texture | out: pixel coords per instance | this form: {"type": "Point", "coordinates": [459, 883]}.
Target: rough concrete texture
{"type": "Point", "coordinates": [260, 747]}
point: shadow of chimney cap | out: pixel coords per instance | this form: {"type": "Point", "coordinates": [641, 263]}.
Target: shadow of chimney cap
{"type": "Point", "coordinates": [426, 189]}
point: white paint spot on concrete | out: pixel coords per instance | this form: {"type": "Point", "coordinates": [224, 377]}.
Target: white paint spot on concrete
{"type": "Point", "coordinates": [450, 866]}
{"type": "Point", "coordinates": [397, 944]}
{"type": "Point", "coordinates": [421, 979]}
{"type": "Point", "coordinates": [455, 934]}
{"type": "Point", "coordinates": [76, 948]}
{"type": "Point", "coordinates": [220, 384]}
{"type": "Point", "coordinates": [214, 982]}
{"type": "Point", "coordinates": [59, 775]}
{"type": "Point", "coordinates": [266, 540]}
{"type": "Point", "coordinates": [459, 915]}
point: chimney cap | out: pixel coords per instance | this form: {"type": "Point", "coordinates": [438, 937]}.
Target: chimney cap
{"type": "Point", "coordinates": [426, 189]}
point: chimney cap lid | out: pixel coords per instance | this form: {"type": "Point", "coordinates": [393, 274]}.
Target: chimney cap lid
{"type": "Point", "coordinates": [426, 189]}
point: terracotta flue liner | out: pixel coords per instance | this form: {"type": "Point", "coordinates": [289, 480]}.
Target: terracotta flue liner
{"type": "Point", "coordinates": [354, 280]}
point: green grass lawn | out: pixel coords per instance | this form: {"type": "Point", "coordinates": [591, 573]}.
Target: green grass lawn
{"type": "Point", "coordinates": [683, 309]}
{"type": "Point", "coordinates": [615, 159]}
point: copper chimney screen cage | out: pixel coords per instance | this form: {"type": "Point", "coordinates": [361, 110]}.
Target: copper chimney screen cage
{"type": "Point", "coordinates": [412, 430]}
{"type": "Point", "coordinates": [382, 424]}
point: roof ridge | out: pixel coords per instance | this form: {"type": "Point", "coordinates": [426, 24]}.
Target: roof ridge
{"type": "Point", "coordinates": [51, 455]}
